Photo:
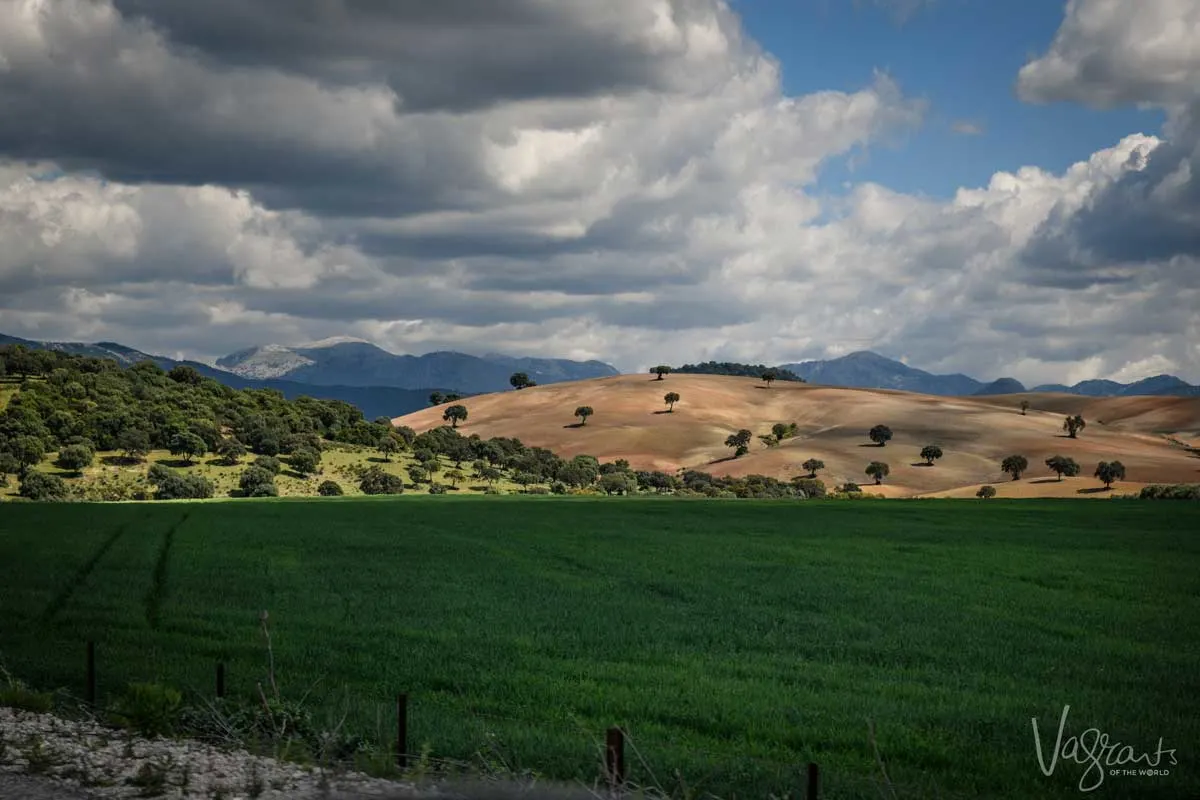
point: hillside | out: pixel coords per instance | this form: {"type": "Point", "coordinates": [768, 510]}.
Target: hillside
{"type": "Point", "coordinates": [975, 433]}
{"type": "Point", "coordinates": [372, 401]}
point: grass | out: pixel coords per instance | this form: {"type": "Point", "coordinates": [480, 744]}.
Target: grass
{"type": "Point", "coordinates": [736, 640]}
{"type": "Point", "coordinates": [109, 467]}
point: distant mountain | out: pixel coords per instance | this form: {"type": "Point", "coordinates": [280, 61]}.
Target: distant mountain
{"type": "Point", "coordinates": [1002, 386]}
{"type": "Point", "coordinates": [869, 370]}
{"type": "Point", "coordinates": [373, 401]}
{"type": "Point", "coordinates": [358, 363]}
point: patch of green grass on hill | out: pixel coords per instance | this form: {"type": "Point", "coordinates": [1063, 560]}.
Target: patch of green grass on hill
{"type": "Point", "coordinates": [736, 640]}
{"type": "Point", "coordinates": [335, 461]}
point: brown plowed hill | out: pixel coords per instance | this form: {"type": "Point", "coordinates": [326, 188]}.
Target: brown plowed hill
{"type": "Point", "coordinates": [975, 433]}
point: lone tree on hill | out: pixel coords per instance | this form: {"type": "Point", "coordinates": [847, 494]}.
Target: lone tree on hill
{"type": "Point", "coordinates": [1063, 466]}
{"type": "Point", "coordinates": [783, 430]}
{"type": "Point", "coordinates": [812, 465]}
{"type": "Point", "coordinates": [740, 441]}
{"type": "Point", "coordinates": [583, 412]}
{"type": "Point", "coordinates": [880, 434]}
{"type": "Point", "coordinates": [1073, 425]}
{"type": "Point", "coordinates": [1014, 465]}
{"type": "Point", "coordinates": [436, 398]}
{"type": "Point", "coordinates": [930, 453]}
{"type": "Point", "coordinates": [1024, 407]}
{"type": "Point", "coordinates": [671, 398]}
{"type": "Point", "coordinates": [1109, 471]}
{"type": "Point", "coordinates": [133, 443]}
{"type": "Point", "coordinates": [985, 492]}
{"type": "Point", "coordinates": [75, 457]}
{"type": "Point", "coordinates": [769, 377]}
{"type": "Point", "coordinates": [660, 371]}
{"type": "Point", "coordinates": [455, 415]}
{"type": "Point", "coordinates": [877, 470]}
{"type": "Point", "coordinates": [188, 445]}
{"type": "Point", "coordinates": [230, 450]}
{"type": "Point", "coordinates": [520, 380]}
{"type": "Point", "coordinates": [388, 445]}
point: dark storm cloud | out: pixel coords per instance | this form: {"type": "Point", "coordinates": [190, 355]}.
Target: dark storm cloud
{"type": "Point", "coordinates": [445, 54]}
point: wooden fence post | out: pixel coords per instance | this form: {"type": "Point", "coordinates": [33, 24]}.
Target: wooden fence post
{"type": "Point", "coordinates": [813, 781]}
{"type": "Point", "coordinates": [614, 755]}
{"type": "Point", "coordinates": [220, 680]}
{"type": "Point", "coordinates": [402, 730]}
{"type": "Point", "coordinates": [90, 688]}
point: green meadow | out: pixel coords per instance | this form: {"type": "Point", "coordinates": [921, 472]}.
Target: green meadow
{"type": "Point", "coordinates": [736, 641]}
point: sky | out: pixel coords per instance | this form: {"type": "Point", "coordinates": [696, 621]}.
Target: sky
{"type": "Point", "coordinates": [1001, 189]}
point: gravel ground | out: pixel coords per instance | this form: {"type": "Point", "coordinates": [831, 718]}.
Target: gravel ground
{"type": "Point", "coordinates": [43, 757]}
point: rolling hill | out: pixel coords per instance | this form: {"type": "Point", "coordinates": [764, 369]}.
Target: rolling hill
{"type": "Point", "coordinates": [975, 433]}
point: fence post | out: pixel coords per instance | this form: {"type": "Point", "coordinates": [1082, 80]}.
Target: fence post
{"type": "Point", "coordinates": [614, 755]}
{"type": "Point", "coordinates": [402, 730]}
{"type": "Point", "coordinates": [90, 688]}
{"type": "Point", "coordinates": [220, 679]}
{"type": "Point", "coordinates": [813, 781]}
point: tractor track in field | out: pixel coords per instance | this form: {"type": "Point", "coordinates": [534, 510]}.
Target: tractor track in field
{"type": "Point", "coordinates": [158, 584]}
{"type": "Point", "coordinates": [64, 595]}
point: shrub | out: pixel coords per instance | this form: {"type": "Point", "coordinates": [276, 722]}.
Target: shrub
{"type": "Point", "coordinates": [375, 481]}
{"type": "Point", "coordinates": [264, 490]}
{"type": "Point", "coordinates": [985, 492]}
{"type": "Point", "coordinates": [812, 487]}
{"type": "Point", "coordinates": [330, 489]}
{"type": "Point", "coordinates": [537, 490]}
{"type": "Point", "coordinates": [269, 463]}
{"type": "Point", "coordinates": [75, 457]}
{"type": "Point", "coordinates": [1182, 491]}
{"type": "Point", "coordinates": [184, 487]}
{"type": "Point", "coordinates": [147, 708]}
{"type": "Point", "coordinates": [254, 477]}
{"type": "Point", "coordinates": [558, 487]}
{"type": "Point", "coordinates": [42, 487]}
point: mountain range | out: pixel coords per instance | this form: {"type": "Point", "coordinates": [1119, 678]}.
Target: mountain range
{"type": "Point", "coordinates": [379, 383]}
{"type": "Point", "coordinates": [351, 362]}
{"type": "Point", "coordinates": [385, 384]}
{"type": "Point", "coordinates": [867, 370]}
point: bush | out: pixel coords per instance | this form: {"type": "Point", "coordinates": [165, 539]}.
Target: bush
{"type": "Point", "coordinates": [184, 487]}
{"type": "Point", "coordinates": [1181, 491]}
{"type": "Point", "coordinates": [850, 487]}
{"type": "Point", "coordinates": [264, 490]}
{"type": "Point", "coordinates": [986, 492]}
{"type": "Point", "coordinates": [75, 457]}
{"type": "Point", "coordinates": [255, 477]}
{"type": "Point", "coordinates": [558, 487]}
{"type": "Point", "coordinates": [375, 481]}
{"type": "Point", "coordinates": [537, 490]}
{"type": "Point", "coordinates": [268, 463]}
{"type": "Point", "coordinates": [147, 708]}
{"type": "Point", "coordinates": [330, 489]}
{"type": "Point", "coordinates": [437, 488]}
{"type": "Point", "coordinates": [42, 487]}
{"type": "Point", "coordinates": [812, 487]}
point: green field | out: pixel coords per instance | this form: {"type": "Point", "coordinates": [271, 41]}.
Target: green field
{"type": "Point", "coordinates": [736, 640]}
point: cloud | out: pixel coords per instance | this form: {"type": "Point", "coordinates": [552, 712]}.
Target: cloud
{"type": "Point", "coordinates": [965, 127]}
{"type": "Point", "coordinates": [198, 178]}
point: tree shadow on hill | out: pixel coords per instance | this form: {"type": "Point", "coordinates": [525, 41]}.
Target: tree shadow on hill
{"type": "Point", "coordinates": [574, 425]}
{"type": "Point", "coordinates": [870, 444]}
{"type": "Point", "coordinates": [1094, 490]}
{"type": "Point", "coordinates": [119, 461]}
{"type": "Point", "coordinates": [664, 411]}
{"type": "Point", "coordinates": [1047, 480]}
{"type": "Point", "coordinates": [379, 460]}
{"type": "Point", "coordinates": [920, 464]}
{"type": "Point", "coordinates": [722, 460]}
{"type": "Point", "coordinates": [176, 463]}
